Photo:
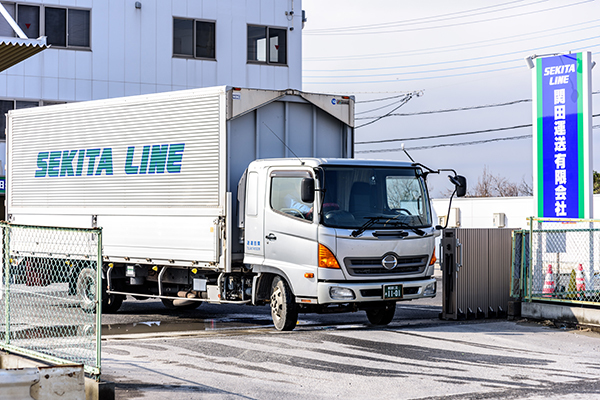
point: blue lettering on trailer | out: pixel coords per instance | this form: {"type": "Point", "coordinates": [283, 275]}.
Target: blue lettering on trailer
{"type": "Point", "coordinates": [154, 159]}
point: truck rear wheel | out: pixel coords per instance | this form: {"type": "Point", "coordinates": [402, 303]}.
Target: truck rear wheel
{"type": "Point", "coordinates": [283, 306]}
{"type": "Point", "coordinates": [382, 315]}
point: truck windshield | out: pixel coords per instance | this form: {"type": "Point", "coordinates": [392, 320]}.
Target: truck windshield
{"type": "Point", "coordinates": [388, 197]}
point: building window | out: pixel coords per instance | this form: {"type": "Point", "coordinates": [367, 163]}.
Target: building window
{"type": "Point", "coordinates": [193, 38]}
{"type": "Point", "coordinates": [64, 27]}
{"type": "Point", "coordinates": [267, 45]}
{"type": "Point", "coordinates": [6, 105]}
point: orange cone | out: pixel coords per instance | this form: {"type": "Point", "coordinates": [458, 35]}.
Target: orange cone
{"type": "Point", "coordinates": [580, 280]}
{"type": "Point", "coordinates": [548, 283]}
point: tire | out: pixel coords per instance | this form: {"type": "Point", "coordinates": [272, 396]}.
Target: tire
{"type": "Point", "coordinates": [284, 310]}
{"type": "Point", "coordinates": [181, 304]}
{"type": "Point", "coordinates": [86, 292]}
{"type": "Point", "coordinates": [111, 303]}
{"type": "Point", "coordinates": [382, 315]}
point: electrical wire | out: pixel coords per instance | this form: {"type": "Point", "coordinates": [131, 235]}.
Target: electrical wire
{"type": "Point", "coordinates": [447, 25]}
{"type": "Point", "coordinates": [464, 60]}
{"type": "Point", "coordinates": [445, 135]}
{"type": "Point", "coordinates": [434, 146]}
{"type": "Point", "coordinates": [404, 101]}
{"type": "Point", "coordinates": [457, 109]}
{"type": "Point", "coordinates": [458, 47]}
{"type": "Point", "coordinates": [433, 18]}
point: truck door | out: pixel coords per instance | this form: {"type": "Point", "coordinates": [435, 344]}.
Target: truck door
{"type": "Point", "coordinates": [290, 231]}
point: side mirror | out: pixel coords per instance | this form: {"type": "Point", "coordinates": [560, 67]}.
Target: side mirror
{"type": "Point", "coordinates": [307, 190]}
{"type": "Point", "coordinates": [461, 185]}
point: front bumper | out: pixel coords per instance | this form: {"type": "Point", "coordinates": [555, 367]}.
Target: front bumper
{"type": "Point", "coordinates": [373, 291]}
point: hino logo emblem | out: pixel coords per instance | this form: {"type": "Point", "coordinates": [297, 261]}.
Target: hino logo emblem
{"type": "Point", "coordinates": [389, 262]}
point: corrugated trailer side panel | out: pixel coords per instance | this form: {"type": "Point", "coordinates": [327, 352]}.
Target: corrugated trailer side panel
{"type": "Point", "coordinates": [151, 168]}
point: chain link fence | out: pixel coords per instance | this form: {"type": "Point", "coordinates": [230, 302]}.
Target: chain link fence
{"type": "Point", "coordinates": [49, 292]}
{"type": "Point", "coordinates": [557, 260]}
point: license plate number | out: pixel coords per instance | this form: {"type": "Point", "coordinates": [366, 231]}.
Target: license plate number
{"type": "Point", "coordinates": [392, 292]}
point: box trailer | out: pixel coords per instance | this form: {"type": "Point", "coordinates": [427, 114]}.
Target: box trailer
{"type": "Point", "coordinates": [227, 195]}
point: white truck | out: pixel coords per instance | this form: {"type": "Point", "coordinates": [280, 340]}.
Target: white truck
{"type": "Point", "coordinates": [227, 195]}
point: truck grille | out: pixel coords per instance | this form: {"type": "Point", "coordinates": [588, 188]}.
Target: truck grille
{"type": "Point", "coordinates": [374, 266]}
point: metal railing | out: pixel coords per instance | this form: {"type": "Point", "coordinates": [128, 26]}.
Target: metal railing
{"type": "Point", "coordinates": [49, 294]}
{"type": "Point", "coordinates": [557, 260]}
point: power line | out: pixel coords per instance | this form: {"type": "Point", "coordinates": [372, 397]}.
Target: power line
{"type": "Point", "coordinates": [446, 135]}
{"type": "Point", "coordinates": [474, 142]}
{"type": "Point", "coordinates": [404, 101]}
{"type": "Point", "coordinates": [414, 20]}
{"type": "Point", "coordinates": [381, 99]}
{"type": "Point", "coordinates": [452, 109]}
{"type": "Point", "coordinates": [520, 52]}
{"type": "Point", "coordinates": [447, 25]}
{"type": "Point", "coordinates": [457, 47]}
{"type": "Point", "coordinates": [457, 109]}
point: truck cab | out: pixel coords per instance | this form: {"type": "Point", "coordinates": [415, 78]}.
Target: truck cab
{"type": "Point", "coordinates": [333, 235]}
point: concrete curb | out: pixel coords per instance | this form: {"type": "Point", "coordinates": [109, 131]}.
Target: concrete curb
{"type": "Point", "coordinates": [579, 315]}
{"type": "Point", "coordinates": [93, 390]}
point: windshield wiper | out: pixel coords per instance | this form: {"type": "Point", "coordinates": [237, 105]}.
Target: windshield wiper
{"type": "Point", "coordinates": [372, 220]}
{"type": "Point", "coordinates": [418, 231]}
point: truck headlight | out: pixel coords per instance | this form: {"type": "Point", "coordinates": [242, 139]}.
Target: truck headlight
{"type": "Point", "coordinates": [430, 289]}
{"type": "Point", "coordinates": [341, 293]}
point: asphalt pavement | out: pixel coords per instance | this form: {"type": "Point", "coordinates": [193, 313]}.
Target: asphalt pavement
{"type": "Point", "coordinates": [233, 352]}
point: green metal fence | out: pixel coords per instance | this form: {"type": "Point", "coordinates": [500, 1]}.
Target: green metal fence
{"type": "Point", "coordinates": [49, 292]}
{"type": "Point", "coordinates": [557, 260]}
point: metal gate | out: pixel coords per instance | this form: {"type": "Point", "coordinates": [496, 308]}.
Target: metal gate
{"type": "Point", "coordinates": [476, 266]}
{"type": "Point", "coordinates": [49, 294]}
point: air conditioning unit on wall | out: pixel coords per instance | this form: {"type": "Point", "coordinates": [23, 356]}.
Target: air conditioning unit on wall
{"type": "Point", "coordinates": [499, 220]}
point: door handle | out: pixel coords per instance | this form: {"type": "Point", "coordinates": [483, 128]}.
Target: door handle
{"type": "Point", "coordinates": [271, 237]}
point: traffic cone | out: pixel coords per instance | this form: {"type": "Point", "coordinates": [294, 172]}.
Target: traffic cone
{"type": "Point", "coordinates": [548, 283]}
{"type": "Point", "coordinates": [580, 279]}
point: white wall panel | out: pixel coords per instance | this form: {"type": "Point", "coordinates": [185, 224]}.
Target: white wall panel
{"type": "Point", "coordinates": [132, 89]}
{"type": "Point", "coordinates": [14, 86]}
{"type": "Point", "coordinates": [133, 57]}
{"type": "Point", "coordinates": [134, 46]}
{"type": "Point", "coordinates": [66, 89]}
{"type": "Point", "coordinates": [116, 40]}
{"type": "Point", "coordinates": [83, 89]}
{"type": "Point", "coordinates": [66, 64]}
{"type": "Point", "coordinates": [34, 65]}
{"type": "Point", "coordinates": [146, 88]}
{"type": "Point", "coordinates": [50, 88]}
{"type": "Point", "coordinates": [100, 40]}
{"type": "Point", "coordinates": [99, 90]}
{"type": "Point", "coordinates": [116, 89]}
{"type": "Point", "coordinates": [32, 87]}
{"type": "Point", "coordinates": [164, 42]}
{"type": "Point", "coordinates": [209, 9]}
{"type": "Point", "coordinates": [179, 71]}
{"type": "Point", "coordinates": [148, 43]}
{"type": "Point", "coordinates": [178, 8]}
{"type": "Point", "coordinates": [83, 64]}
{"type": "Point", "coordinates": [3, 92]}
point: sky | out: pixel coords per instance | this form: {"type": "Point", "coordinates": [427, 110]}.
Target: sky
{"type": "Point", "coordinates": [464, 64]}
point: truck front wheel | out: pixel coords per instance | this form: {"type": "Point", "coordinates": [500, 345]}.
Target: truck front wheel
{"type": "Point", "coordinates": [382, 315]}
{"type": "Point", "coordinates": [283, 306]}
{"type": "Point", "coordinates": [86, 291]}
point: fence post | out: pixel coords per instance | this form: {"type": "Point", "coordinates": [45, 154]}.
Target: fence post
{"type": "Point", "coordinates": [7, 275]}
{"type": "Point", "coordinates": [99, 292]}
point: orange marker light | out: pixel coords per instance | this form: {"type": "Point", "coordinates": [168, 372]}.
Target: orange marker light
{"type": "Point", "coordinates": [309, 275]}
{"type": "Point", "coordinates": [433, 258]}
{"type": "Point", "coordinates": [326, 258]}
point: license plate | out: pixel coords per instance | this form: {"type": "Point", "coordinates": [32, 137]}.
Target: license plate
{"type": "Point", "coordinates": [392, 292]}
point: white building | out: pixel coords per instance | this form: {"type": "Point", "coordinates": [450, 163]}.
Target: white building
{"type": "Point", "coordinates": [113, 48]}
{"type": "Point", "coordinates": [491, 212]}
